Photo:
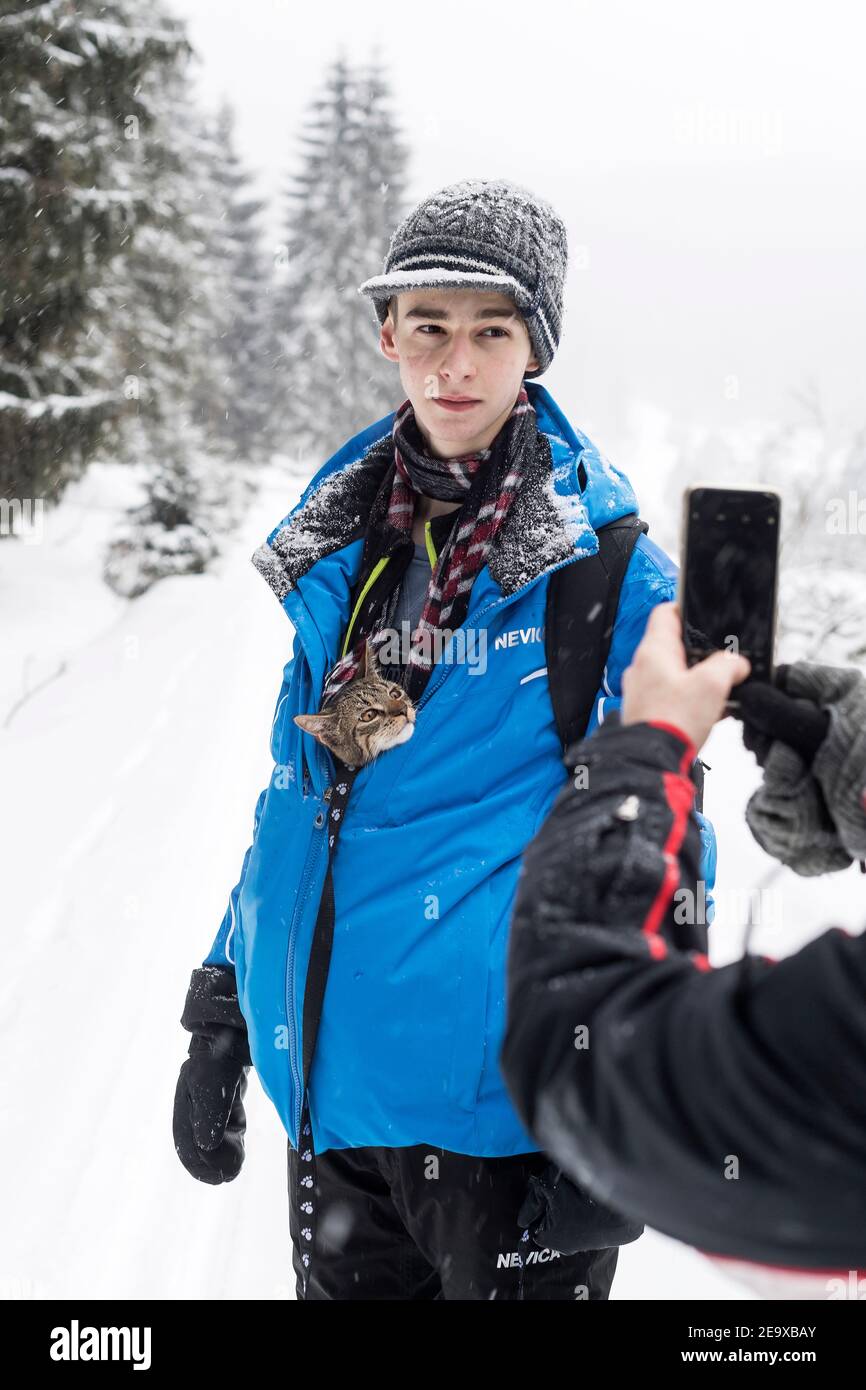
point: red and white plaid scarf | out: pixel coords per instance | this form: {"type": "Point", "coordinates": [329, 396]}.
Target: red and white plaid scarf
{"type": "Point", "coordinates": [488, 480]}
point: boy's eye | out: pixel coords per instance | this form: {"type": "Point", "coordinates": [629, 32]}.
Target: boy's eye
{"type": "Point", "coordinates": [437, 328]}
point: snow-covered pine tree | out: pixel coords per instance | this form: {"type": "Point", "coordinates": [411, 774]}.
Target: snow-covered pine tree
{"type": "Point", "coordinates": [169, 291]}
{"type": "Point", "coordinates": [240, 413]}
{"type": "Point", "coordinates": [343, 205]}
{"type": "Point", "coordinates": [70, 98]}
{"type": "Point", "coordinates": [165, 289]}
{"type": "Point", "coordinates": [166, 534]}
{"type": "Point", "coordinates": [195, 329]}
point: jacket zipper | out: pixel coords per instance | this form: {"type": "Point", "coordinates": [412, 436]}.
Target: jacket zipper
{"type": "Point", "coordinates": [310, 863]}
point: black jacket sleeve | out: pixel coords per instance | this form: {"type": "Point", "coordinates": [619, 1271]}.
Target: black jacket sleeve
{"type": "Point", "coordinates": [725, 1107]}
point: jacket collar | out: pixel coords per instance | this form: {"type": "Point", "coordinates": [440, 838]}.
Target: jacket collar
{"type": "Point", "coordinates": [569, 489]}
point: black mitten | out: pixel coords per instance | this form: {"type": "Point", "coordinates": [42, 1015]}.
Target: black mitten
{"type": "Point", "coordinates": [771, 712]}
{"type": "Point", "coordinates": [562, 1216]}
{"type": "Point", "coordinates": [209, 1121]}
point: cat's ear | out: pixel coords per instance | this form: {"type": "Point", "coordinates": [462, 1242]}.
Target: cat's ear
{"type": "Point", "coordinates": [315, 724]}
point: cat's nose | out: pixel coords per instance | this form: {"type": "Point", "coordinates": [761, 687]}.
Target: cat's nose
{"type": "Point", "coordinates": [410, 714]}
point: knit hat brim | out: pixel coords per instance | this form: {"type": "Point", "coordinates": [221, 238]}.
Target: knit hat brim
{"type": "Point", "coordinates": [381, 287]}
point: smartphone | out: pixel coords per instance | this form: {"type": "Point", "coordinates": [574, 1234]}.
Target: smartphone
{"type": "Point", "coordinates": [729, 571]}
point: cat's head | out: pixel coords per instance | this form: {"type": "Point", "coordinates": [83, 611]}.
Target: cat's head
{"type": "Point", "coordinates": [367, 717]}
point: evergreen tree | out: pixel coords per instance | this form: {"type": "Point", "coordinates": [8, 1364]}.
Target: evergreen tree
{"type": "Point", "coordinates": [247, 348]}
{"type": "Point", "coordinates": [342, 207]}
{"type": "Point", "coordinates": [74, 95]}
{"type": "Point", "coordinates": [189, 321]}
{"type": "Point", "coordinates": [162, 287]}
{"type": "Point", "coordinates": [166, 290]}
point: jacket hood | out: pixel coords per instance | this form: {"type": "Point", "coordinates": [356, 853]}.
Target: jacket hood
{"type": "Point", "coordinates": [569, 490]}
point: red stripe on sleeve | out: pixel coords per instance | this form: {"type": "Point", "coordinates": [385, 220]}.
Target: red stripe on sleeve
{"type": "Point", "coordinates": [679, 792]}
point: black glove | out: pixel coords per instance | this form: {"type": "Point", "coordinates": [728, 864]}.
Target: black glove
{"type": "Point", "coordinates": [769, 712]}
{"type": "Point", "coordinates": [561, 1216]}
{"type": "Point", "coordinates": [810, 738]}
{"type": "Point", "coordinates": [209, 1120]}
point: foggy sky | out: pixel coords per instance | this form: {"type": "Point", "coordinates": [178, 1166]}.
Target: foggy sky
{"type": "Point", "coordinates": [709, 162]}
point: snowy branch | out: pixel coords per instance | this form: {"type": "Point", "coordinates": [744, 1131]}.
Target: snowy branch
{"type": "Point", "coordinates": [56, 405]}
{"type": "Point", "coordinates": [38, 13]}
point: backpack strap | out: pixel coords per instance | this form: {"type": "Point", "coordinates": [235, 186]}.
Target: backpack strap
{"type": "Point", "coordinates": [580, 612]}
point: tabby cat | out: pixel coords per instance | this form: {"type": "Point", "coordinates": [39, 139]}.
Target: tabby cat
{"type": "Point", "coordinates": [367, 717]}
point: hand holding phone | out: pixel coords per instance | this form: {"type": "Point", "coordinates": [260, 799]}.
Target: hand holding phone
{"type": "Point", "coordinates": [729, 575]}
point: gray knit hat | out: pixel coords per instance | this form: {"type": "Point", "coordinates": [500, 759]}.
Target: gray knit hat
{"type": "Point", "coordinates": [483, 234]}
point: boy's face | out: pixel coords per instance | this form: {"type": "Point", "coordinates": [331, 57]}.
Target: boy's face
{"type": "Point", "coordinates": [458, 342]}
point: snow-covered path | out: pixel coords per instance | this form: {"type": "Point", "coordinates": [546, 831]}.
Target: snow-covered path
{"type": "Point", "coordinates": [129, 784]}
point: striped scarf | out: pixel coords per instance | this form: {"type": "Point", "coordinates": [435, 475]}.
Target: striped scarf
{"type": "Point", "coordinates": [488, 481]}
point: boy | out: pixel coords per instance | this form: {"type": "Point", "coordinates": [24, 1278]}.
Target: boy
{"type": "Point", "coordinates": [360, 966]}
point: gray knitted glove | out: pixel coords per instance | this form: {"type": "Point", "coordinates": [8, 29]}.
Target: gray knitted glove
{"type": "Point", "coordinates": [840, 763]}
{"type": "Point", "coordinates": [814, 820]}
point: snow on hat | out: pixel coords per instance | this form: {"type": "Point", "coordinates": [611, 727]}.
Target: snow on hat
{"type": "Point", "coordinates": [482, 234]}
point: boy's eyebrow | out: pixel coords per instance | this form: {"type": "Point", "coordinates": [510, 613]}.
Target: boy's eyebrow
{"type": "Point", "coordinates": [421, 311]}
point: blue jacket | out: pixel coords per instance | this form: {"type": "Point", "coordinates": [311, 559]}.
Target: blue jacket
{"type": "Point", "coordinates": [426, 866]}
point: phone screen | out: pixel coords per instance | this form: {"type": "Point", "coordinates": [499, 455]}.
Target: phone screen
{"type": "Point", "coordinates": [729, 574]}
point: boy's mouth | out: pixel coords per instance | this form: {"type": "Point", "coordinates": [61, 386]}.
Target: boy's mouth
{"type": "Point", "coordinates": [464, 403]}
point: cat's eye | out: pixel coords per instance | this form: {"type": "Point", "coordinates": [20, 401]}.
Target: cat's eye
{"type": "Point", "coordinates": [396, 691]}
{"type": "Point", "coordinates": [368, 715]}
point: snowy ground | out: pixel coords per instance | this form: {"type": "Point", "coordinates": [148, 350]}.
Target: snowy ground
{"type": "Point", "coordinates": [130, 775]}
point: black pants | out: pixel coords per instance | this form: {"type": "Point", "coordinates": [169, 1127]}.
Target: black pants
{"type": "Point", "coordinates": [424, 1223]}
